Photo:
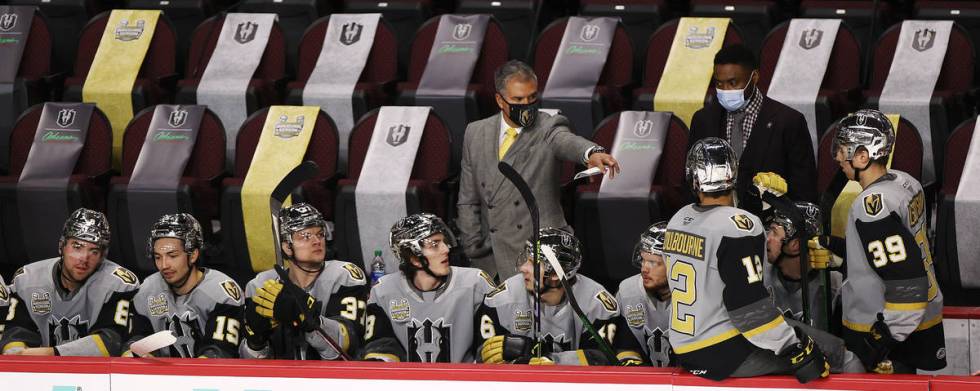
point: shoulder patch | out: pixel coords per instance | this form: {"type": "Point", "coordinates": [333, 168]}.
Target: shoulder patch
{"type": "Point", "coordinates": [917, 208]}
{"type": "Point", "coordinates": [607, 300]}
{"type": "Point", "coordinates": [501, 288]}
{"type": "Point", "coordinates": [125, 275]}
{"type": "Point", "coordinates": [873, 204]}
{"type": "Point", "coordinates": [232, 290]}
{"type": "Point", "coordinates": [4, 295]}
{"type": "Point", "coordinates": [355, 272]}
{"type": "Point", "coordinates": [742, 222]}
{"type": "Point", "coordinates": [488, 279]}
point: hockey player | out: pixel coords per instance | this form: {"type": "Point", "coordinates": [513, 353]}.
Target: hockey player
{"type": "Point", "coordinates": [783, 270]}
{"type": "Point", "coordinates": [723, 319]}
{"type": "Point", "coordinates": [507, 315]}
{"type": "Point", "coordinates": [892, 305]}
{"type": "Point", "coordinates": [202, 307]}
{"type": "Point", "coordinates": [288, 319]}
{"type": "Point", "coordinates": [73, 305]}
{"type": "Point", "coordinates": [644, 299]}
{"type": "Point", "coordinates": [425, 311]}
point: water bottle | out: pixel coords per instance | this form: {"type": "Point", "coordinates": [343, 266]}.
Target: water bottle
{"type": "Point", "coordinates": [377, 267]}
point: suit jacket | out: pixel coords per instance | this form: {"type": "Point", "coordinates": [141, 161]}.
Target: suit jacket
{"type": "Point", "coordinates": [780, 143]}
{"type": "Point", "coordinates": [493, 220]}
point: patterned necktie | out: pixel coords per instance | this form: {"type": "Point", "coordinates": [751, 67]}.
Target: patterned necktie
{"type": "Point", "coordinates": [508, 141]}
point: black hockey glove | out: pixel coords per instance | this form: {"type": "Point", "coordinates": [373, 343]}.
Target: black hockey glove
{"type": "Point", "coordinates": [805, 359]}
{"type": "Point", "coordinates": [506, 348]}
{"type": "Point", "coordinates": [257, 327]}
{"type": "Point", "coordinates": [878, 344]}
{"type": "Point", "coordinates": [303, 306]}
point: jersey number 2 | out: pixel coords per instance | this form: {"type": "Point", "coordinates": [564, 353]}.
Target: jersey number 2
{"type": "Point", "coordinates": [681, 321]}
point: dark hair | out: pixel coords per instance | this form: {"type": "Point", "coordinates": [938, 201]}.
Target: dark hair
{"type": "Point", "coordinates": [737, 54]}
{"type": "Point", "coordinates": [510, 69]}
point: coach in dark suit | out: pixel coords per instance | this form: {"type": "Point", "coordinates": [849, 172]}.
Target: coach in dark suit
{"type": "Point", "coordinates": [493, 220]}
{"type": "Point", "coordinates": [767, 136]}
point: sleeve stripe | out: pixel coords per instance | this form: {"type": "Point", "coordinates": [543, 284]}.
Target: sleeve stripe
{"type": "Point", "coordinates": [14, 345]}
{"type": "Point", "coordinates": [629, 355]}
{"type": "Point", "coordinates": [706, 342]}
{"type": "Point", "coordinates": [345, 338]}
{"type": "Point", "coordinates": [581, 357]}
{"type": "Point", "coordinates": [100, 344]}
{"type": "Point", "coordinates": [859, 327]}
{"type": "Point", "coordinates": [383, 357]}
{"type": "Point", "coordinates": [931, 322]}
{"type": "Point", "coordinates": [766, 327]}
{"type": "Point", "coordinates": [906, 306]}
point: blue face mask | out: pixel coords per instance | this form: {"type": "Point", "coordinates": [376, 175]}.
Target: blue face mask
{"type": "Point", "coordinates": [733, 100]}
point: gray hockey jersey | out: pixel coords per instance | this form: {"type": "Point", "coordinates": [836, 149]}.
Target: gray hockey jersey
{"type": "Point", "coordinates": [340, 291]}
{"type": "Point", "coordinates": [93, 320]}
{"type": "Point", "coordinates": [788, 297]}
{"type": "Point", "coordinates": [890, 271]}
{"type": "Point", "coordinates": [509, 310]}
{"type": "Point", "coordinates": [721, 311]}
{"type": "Point", "coordinates": [405, 324]}
{"type": "Point", "coordinates": [206, 321]}
{"type": "Point", "coordinates": [648, 319]}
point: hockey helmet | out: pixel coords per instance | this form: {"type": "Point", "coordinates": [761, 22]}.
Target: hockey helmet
{"type": "Point", "coordinates": [812, 217]}
{"type": "Point", "coordinates": [711, 166]}
{"type": "Point", "coordinates": [651, 241]}
{"type": "Point", "coordinates": [297, 217]}
{"type": "Point", "coordinates": [409, 232]}
{"type": "Point", "coordinates": [86, 225]}
{"type": "Point", "coordinates": [866, 128]}
{"type": "Point", "coordinates": [181, 226]}
{"type": "Point", "coordinates": [566, 247]}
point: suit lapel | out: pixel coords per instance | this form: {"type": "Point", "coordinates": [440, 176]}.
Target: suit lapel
{"type": "Point", "coordinates": [761, 134]}
{"type": "Point", "coordinates": [523, 142]}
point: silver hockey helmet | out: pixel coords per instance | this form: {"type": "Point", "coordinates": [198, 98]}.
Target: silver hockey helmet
{"type": "Point", "coordinates": [566, 247]}
{"type": "Point", "coordinates": [812, 217]}
{"type": "Point", "coordinates": [408, 233]}
{"type": "Point", "coordinates": [651, 241]}
{"type": "Point", "coordinates": [86, 225]}
{"type": "Point", "coordinates": [182, 226]}
{"type": "Point", "coordinates": [866, 128]}
{"type": "Point", "coordinates": [711, 166]}
{"type": "Point", "coordinates": [297, 217]}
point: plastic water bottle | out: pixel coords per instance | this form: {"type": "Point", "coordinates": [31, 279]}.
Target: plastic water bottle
{"type": "Point", "coordinates": [377, 267]}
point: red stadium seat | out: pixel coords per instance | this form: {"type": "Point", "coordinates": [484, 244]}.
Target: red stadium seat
{"type": "Point", "coordinates": [639, 18]}
{"type": "Point", "coordinates": [263, 89]}
{"type": "Point", "coordinates": [377, 78]}
{"type": "Point", "coordinates": [86, 186]}
{"type": "Point", "coordinates": [197, 193]}
{"type": "Point", "coordinates": [964, 12]}
{"type": "Point", "coordinates": [317, 191]}
{"type": "Point", "coordinates": [405, 17]}
{"type": "Point", "coordinates": [907, 156]}
{"type": "Point", "coordinates": [754, 17]}
{"type": "Point", "coordinates": [666, 197]}
{"type": "Point", "coordinates": [426, 190]}
{"type": "Point", "coordinates": [840, 92]}
{"type": "Point", "coordinates": [66, 19]}
{"type": "Point", "coordinates": [154, 83]}
{"type": "Point", "coordinates": [656, 59]}
{"type": "Point", "coordinates": [946, 255]}
{"type": "Point", "coordinates": [34, 70]}
{"type": "Point", "coordinates": [517, 18]}
{"type": "Point", "coordinates": [856, 14]}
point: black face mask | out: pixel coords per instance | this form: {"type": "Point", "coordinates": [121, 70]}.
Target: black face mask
{"type": "Point", "coordinates": [524, 114]}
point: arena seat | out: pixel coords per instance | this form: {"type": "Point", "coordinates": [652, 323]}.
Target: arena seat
{"type": "Point", "coordinates": [612, 89]}
{"type": "Point", "coordinates": [86, 186]}
{"type": "Point", "coordinates": [907, 156]}
{"type": "Point", "coordinates": [263, 89]}
{"type": "Point", "coordinates": [840, 92]}
{"type": "Point", "coordinates": [754, 17]}
{"type": "Point", "coordinates": [405, 17]}
{"type": "Point", "coordinates": [34, 72]}
{"type": "Point", "coordinates": [639, 18]}
{"type": "Point", "coordinates": [518, 19]}
{"type": "Point", "coordinates": [198, 191]}
{"type": "Point", "coordinates": [155, 82]}
{"type": "Point", "coordinates": [426, 192]}
{"type": "Point", "coordinates": [658, 50]}
{"type": "Point", "coordinates": [66, 19]}
{"type": "Point", "coordinates": [964, 12]}
{"type": "Point", "coordinates": [184, 16]}
{"type": "Point", "coordinates": [322, 150]}
{"type": "Point", "coordinates": [857, 15]}
{"type": "Point", "coordinates": [666, 197]}
{"type": "Point", "coordinates": [377, 78]}
{"type": "Point", "coordinates": [946, 255]}
{"type": "Point", "coordinates": [295, 16]}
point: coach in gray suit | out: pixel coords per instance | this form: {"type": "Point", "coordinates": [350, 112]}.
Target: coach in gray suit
{"type": "Point", "coordinates": [493, 220]}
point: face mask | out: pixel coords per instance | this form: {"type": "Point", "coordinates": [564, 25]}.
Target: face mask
{"type": "Point", "coordinates": [524, 114]}
{"type": "Point", "coordinates": [733, 100]}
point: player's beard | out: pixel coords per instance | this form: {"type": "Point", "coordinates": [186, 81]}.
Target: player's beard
{"type": "Point", "coordinates": [182, 280]}
{"type": "Point", "coordinates": [66, 274]}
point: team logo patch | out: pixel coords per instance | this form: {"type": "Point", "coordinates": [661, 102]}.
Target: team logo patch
{"type": "Point", "coordinates": [351, 33]}
{"type": "Point", "coordinates": [811, 38]}
{"type": "Point", "coordinates": [743, 222]}
{"type": "Point", "coordinates": [917, 207]}
{"type": "Point", "coordinates": [643, 128]}
{"type": "Point", "coordinates": [66, 117]}
{"type": "Point", "coordinates": [635, 315]}
{"type": "Point", "coordinates": [355, 272]}
{"type": "Point", "coordinates": [158, 305]}
{"type": "Point", "coordinates": [462, 31]}
{"type": "Point", "coordinates": [245, 32]}
{"type": "Point", "coordinates": [923, 39]}
{"type": "Point", "coordinates": [8, 22]}
{"type": "Point", "coordinates": [399, 310]}
{"type": "Point", "coordinates": [429, 341]}
{"type": "Point", "coordinates": [126, 32]}
{"type": "Point", "coordinates": [699, 40]}
{"type": "Point", "coordinates": [177, 118]}
{"type": "Point", "coordinates": [608, 301]}
{"type": "Point", "coordinates": [589, 32]}
{"type": "Point", "coordinates": [941, 353]}
{"type": "Point", "coordinates": [872, 204]}
{"type": "Point", "coordinates": [232, 289]}
{"type": "Point", "coordinates": [41, 302]}
{"type": "Point", "coordinates": [397, 135]}
{"type": "Point", "coordinates": [522, 320]}
{"type": "Point", "coordinates": [125, 275]}
{"type": "Point", "coordinates": [286, 129]}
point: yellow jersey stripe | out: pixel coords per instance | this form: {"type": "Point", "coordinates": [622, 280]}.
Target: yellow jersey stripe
{"type": "Point", "coordinates": [766, 327]}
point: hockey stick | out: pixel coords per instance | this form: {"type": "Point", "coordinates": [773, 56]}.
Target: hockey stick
{"type": "Point", "coordinates": [288, 284]}
{"type": "Point", "coordinates": [532, 206]}
{"type": "Point", "coordinates": [784, 205]}
{"type": "Point", "coordinates": [152, 343]}
{"type": "Point", "coordinates": [549, 254]}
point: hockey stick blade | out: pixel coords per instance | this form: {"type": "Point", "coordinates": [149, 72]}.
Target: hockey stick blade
{"type": "Point", "coordinates": [301, 173]}
{"type": "Point", "coordinates": [607, 350]}
{"type": "Point", "coordinates": [152, 343]}
{"type": "Point", "coordinates": [288, 284]}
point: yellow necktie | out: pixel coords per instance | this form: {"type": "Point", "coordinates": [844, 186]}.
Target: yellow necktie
{"type": "Point", "coordinates": [508, 141]}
